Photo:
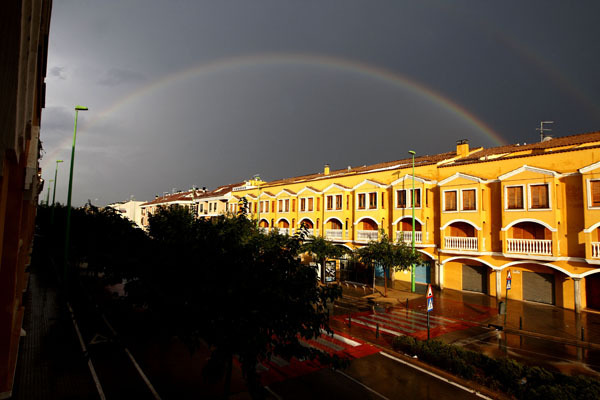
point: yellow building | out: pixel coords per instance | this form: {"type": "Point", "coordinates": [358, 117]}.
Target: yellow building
{"type": "Point", "coordinates": [531, 209]}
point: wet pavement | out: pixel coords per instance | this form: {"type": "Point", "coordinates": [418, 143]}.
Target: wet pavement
{"type": "Point", "coordinates": [535, 334]}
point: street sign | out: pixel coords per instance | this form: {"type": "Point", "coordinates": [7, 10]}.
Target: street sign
{"type": "Point", "coordinates": [429, 292]}
{"type": "Point", "coordinates": [429, 304]}
{"type": "Point", "coordinates": [508, 280]}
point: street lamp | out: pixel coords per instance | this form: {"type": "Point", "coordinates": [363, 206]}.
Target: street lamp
{"type": "Point", "coordinates": [54, 193]}
{"type": "Point", "coordinates": [68, 227]}
{"type": "Point", "coordinates": [48, 195]}
{"type": "Point", "coordinates": [412, 267]}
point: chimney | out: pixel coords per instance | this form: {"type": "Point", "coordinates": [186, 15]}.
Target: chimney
{"type": "Point", "coordinates": [326, 170]}
{"type": "Point", "coordinates": [462, 148]}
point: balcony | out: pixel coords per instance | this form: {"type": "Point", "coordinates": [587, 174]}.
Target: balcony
{"type": "Point", "coordinates": [596, 249]}
{"type": "Point", "coordinates": [460, 243]}
{"type": "Point", "coordinates": [263, 230]}
{"type": "Point", "coordinates": [283, 231]}
{"type": "Point", "coordinates": [406, 237]}
{"type": "Point", "coordinates": [530, 246]}
{"type": "Point", "coordinates": [365, 236]}
{"type": "Point", "coordinates": [334, 234]}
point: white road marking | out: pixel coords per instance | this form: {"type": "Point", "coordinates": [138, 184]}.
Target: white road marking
{"type": "Point", "coordinates": [278, 397]}
{"type": "Point", "coordinates": [134, 362]}
{"type": "Point", "coordinates": [85, 352]}
{"type": "Point", "coordinates": [381, 329]}
{"type": "Point", "coordinates": [361, 384]}
{"type": "Point", "coordinates": [466, 389]}
{"type": "Point", "coordinates": [342, 339]}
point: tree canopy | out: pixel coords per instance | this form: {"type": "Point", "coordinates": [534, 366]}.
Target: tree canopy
{"type": "Point", "coordinates": [388, 254]}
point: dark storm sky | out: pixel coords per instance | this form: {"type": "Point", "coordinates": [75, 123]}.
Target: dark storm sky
{"type": "Point", "coordinates": [206, 93]}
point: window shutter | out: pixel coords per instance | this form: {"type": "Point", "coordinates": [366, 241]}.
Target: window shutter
{"type": "Point", "coordinates": [450, 201]}
{"type": "Point", "coordinates": [595, 186]}
{"type": "Point", "coordinates": [539, 196]}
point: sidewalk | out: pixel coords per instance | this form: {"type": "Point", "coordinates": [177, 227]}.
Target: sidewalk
{"type": "Point", "coordinates": [51, 364]}
{"type": "Point", "coordinates": [527, 318]}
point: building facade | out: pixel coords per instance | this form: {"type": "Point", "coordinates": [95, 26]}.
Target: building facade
{"type": "Point", "coordinates": [131, 210]}
{"type": "Point", "coordinates": [23, 54]}
{"type": "Point", "coordinates": [531, 209]}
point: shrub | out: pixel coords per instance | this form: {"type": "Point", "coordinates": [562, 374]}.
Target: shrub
{"type": "Point", "coordinates": [504, 374]}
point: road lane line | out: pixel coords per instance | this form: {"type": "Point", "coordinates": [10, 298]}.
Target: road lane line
{"type": "Point", "coordinates": [361, 384]}
{"type": "Point", "coordinates": [134, 362]}
{"type": "Point", "coordinates": [466, 389]}
{"type": "Point", "coordinates": [85, 352]}
{"type": "Point", "coordinates": [278, 397]}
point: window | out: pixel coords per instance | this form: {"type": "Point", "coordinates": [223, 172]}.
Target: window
{"type": "Point", "coordinates": [329, 202]}
{"type": "Point", "coordinates": [417, 197]}
{"type": "Point", "coordinates": [302, 205]}
{"type": "Point", "coordinates": [372, 200]}
{"type": "Point", "coordinates": [539, 196]}
{"type": "Point", "coordinates": [450, 200]}
{"type": "Point", "coordinates": [338, 202]}
{"type": "Point", "coordinates": [404, 198]}
{"type": "Point", "coordinates": [468, 200]}
{"type": "Point", "coordinates": [401, 198]}
{"type": "Point", "coordinates": [595, 193]}
{"type": "Point", "coordinates": [287, 205]}
{"type": "Point", "coordinates": [514, 198]}
{"type": "Point", "coordinates": [362, 201]}
{"type": "Point", "coordinates": [310, 204]}
{"type": "Point", "coordinates": [280, 206]}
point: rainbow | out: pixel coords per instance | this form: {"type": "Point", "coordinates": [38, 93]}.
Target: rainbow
{"type": "Point", "coordinates": [288, 59]}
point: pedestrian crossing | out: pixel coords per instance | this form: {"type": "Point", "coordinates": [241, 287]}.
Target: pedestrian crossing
{"type": "Point", "coordinates": [278, 369]}
{"type": "Point", "coordinates": [397, 322]}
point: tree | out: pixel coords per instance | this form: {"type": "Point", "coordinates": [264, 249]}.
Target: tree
{"type": "Point", "coordinates": [235, 290]}
{"type": "Point", "coordinates": [390, 255]}
{"type": "Point", "coordinates": [323, 249]}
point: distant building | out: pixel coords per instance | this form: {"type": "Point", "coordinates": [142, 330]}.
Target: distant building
{"type": "Point", "coordinates": [184, 199]}
{"type": "Point", "coordinates": [23, 54]}
{"type": "Point", "coordinates": [131, 210]}
{"type": "Point", "coordinates": [216, 202]}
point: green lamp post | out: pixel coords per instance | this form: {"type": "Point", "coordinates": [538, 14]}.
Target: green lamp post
{"type": "Point", "coordinates": [412, 268]}
{"type": "Point", "coordinates": [54, 192]}
{"type": "Point", "coordinates": [48, 195]}
{"type": "Point", "coordinates": [68, 227]}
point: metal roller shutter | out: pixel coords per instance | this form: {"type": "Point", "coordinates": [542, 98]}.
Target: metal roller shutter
{"type": "Point", "coordinates": [538, 287]}
{"type": "Point", "coordinates": [474, 278]}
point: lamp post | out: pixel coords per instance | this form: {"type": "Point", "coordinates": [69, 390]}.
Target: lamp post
{"type": "Point", "coordinates": [48, 195]}
{"type": "Point", "coordinates": [54, 193]}
{"type": "Point", "coordinates": [412, 268]}
{"type": "Point", "coordinates": [68, 227]}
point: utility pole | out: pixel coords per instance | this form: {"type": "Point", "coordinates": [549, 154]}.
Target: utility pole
{"type": "Point", "coordinates": [542, 129]}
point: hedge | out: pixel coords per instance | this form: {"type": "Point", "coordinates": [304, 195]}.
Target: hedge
{"type": "Point", "coordinates": [503, 374]}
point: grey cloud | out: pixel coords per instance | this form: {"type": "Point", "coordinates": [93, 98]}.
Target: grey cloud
{"type": "Point", "coordinates": [58, 72]}
{"type": "Point", "coordinates": [118, 76]}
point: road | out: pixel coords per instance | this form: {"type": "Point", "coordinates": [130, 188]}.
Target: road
{"type": "Point", "coordinates": [372, 377]}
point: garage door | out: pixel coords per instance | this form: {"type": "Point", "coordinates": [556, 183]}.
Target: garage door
{"type": "Point", "coordinates": [474, 278]}
{"type": "Point", "coordinates": [592, 291]}
{"type": "Point", "coordinates": [538, 287]}
{"type": "Point", "coordinates": [423, 273]}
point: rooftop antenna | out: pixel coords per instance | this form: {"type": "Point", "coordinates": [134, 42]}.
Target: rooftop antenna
{"type": "Point", "coordinates": [542, 129]}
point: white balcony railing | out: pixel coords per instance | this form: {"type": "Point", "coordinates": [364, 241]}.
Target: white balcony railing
{"type": "Point", "coordinates": [529, 246]}
{"type": "Point", "coordinates": [264, 230]}
{"type": "Point", "coordinates": [596, 249]}
{"type": "Point", "coordinates": [334, 234]}
{"type": "Point", "coordinates": [283, 231]}
{"type": "Point", "coordinates": [365, 236]}
{"type": "Point", "coordinates": [460, 243]}
{"type": "Point", "coordinates": [406, 236]}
